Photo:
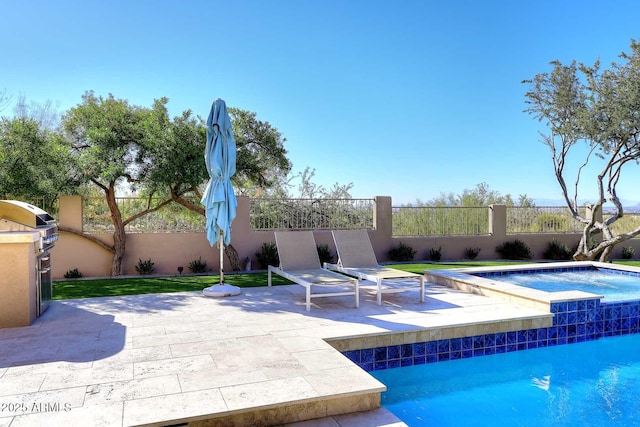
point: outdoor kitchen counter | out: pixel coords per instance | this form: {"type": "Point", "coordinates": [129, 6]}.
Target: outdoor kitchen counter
{"type": "Point", "coordinates": [19, 237]}
{"type": "Point", "coordinates": [18, 293]}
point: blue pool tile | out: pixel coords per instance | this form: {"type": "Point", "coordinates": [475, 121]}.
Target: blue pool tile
{"type": "Point", "coordinates": [478, 352]}
{"type": "Point", "coordinates": [512, 337]}
{"type": "Point", "coordinates": [478, 342]}
{"type": "Point", "coordinates": [431, 358]}
{"type": "Point", "coordinates": [444, 346]}
{"type": "Point", "coordinates": [367, 355]}
{"type": "Point", "coordinates": [432, 347]}
{"type": "Point", "coordinates": [380, 365]}
{"type": "Point", "coordinates": [522, 336]}
{"type": "Point", "coordinates": [562, 331]}
{"type": "Point", "coordinates": [489, 340]}
{"type": "Point", "coordinates": [489, 350]}
{"type": "Point", "coordinates": [456, 355]}
{"type": "Point", "coordinates": [406, 350]}
{"type": "Point", "coordinates": [582, 305]}
{"type": "Point", "coordinates": [542, 334]}
{"type": "Point", "coordinates": [393, 363]}
{"type": "Point", "coordinates": [367, 366]}
{"type": "Point", "coordinates": [572, 306]}
{"type": "Point", "coordinates": [560, 319]}
{"type": "Point", "coordinates": [572, 318]}
{"type": "Point", "coordinates": [419, 360]}
{"type": "Point", "coordinates": [353, 355]}
{"type": "Point", "coordinates": [582, 316]}
{"type": "Point", "coordinates": [380, 353]}
{"type": "Point", "coordinates": [443, 357]}
{"type": "Point", "coordinates": [467, 353]}
{"type": "Point", "coordinates": [467, 343]}
{"type": "Point", "coordinates": [407, 361]}
{"type": "Point", "coordinates": [393, 352]}
{"type": "Point", "coordinates": [419, 349]}
{"type": "Point", "coordinates": [501, 339]}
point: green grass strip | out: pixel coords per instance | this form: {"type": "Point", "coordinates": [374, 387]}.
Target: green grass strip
{"type": "Point", "coordinates": [88, 288]}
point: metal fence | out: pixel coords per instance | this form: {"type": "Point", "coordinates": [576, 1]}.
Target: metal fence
{"type": "Point", "coordinates": [630, 221]}
{"type": "Point", "coordinates": [331, 214]}
{"type": "Point", "coordinates": [542, 219]}
{"type": "Point", "coordinates": [172, 218]}
{"type": "Point", "coordinates": [408, 221]}
{"type": "Point", "coordinates": [311, 214]}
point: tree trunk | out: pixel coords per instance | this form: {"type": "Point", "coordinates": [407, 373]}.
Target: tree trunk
{"type": "Point", "coordinates": [234, 258]}
{"type": "Point", "coordinates": [119, 236]}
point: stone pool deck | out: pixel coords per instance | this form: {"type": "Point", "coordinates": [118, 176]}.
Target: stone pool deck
{"type": "Point", "coordinates": [255, 359]}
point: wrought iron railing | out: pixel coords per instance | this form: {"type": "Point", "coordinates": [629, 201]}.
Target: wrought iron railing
{"type": "Point", "coordinates": [542, 219]}
{"type": "Point", "coordinates": [172, 218]}
{"type": "Point", "coordinates": [311, 214]}
{"type": "Point", "coordinates": [439, 221]}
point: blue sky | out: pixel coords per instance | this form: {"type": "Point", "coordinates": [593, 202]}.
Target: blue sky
{"type": "Point", "coordinates": [409, 99]}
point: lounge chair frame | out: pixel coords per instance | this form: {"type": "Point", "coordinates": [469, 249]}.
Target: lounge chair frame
{"type": "Point", "coordinates": [356, 258]}
{"type": "Point", "coordinates": [299, 262]}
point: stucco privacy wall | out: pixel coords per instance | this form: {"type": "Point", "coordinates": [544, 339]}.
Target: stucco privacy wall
{"type": "Point", "coordinates": [168, 251]}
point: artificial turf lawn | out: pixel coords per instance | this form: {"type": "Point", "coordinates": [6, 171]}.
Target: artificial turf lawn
{"type": "Point", "coordinates": [72, 289]}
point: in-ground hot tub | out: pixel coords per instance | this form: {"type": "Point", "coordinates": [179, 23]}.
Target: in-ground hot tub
{"type": "Point", "coordinates": [538, 285]}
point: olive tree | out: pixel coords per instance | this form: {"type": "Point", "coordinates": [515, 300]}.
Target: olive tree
{"type": "Point", "coordinates": [177, 156]}
{"type": "Point", "coordinates": [598, 107]}
{"type": "Point", "coordinates": [110, 139]}
{"type": "Point", "coordinates": [35, 162]}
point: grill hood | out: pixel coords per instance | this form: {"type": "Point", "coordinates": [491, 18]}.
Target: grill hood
{"type": "Point", "coordinates": [25, 214]}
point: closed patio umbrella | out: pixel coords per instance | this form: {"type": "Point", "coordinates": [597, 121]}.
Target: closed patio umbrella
{"type": "Point", "coordinates": [218, 199]}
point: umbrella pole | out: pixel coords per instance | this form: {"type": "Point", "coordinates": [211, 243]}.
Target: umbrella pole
{"type": "Point", "coordinates": [221, 259]}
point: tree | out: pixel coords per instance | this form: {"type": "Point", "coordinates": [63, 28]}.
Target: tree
{"type": "Point", "coordinates": [4, 99]}
{"type": "Point", "coordinates": [35, 162]}
{"type": "Point", "coordinates": [178, 159]}
{"type": "Point", "coordinates": [600, 108]}
{"type": "Point", "coordinates": [47, 113]}
{"type": "Point", "coordinates": [481, 195]}
{"type": "Point", "coordinates": [111, 140]}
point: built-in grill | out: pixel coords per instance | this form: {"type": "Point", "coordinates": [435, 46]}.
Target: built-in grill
{"type": "Point", "coordinates": [19, 217]}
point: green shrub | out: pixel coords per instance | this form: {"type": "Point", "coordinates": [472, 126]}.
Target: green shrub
{"type": "Point", "coordinates": [402, 253]}
{"type": "Point", "coordinates": [198, 266]}
{"type": "Point", "coordinates": [324, 253]}
{"type": "Point", "coordinates": [435, 254]}
{"type": "Point", "coordinates": [73, 274]}
{"type": "Point", "coordinates": [471, 253]}
{"type": "Point", "coordinates": [515, 249]}
{"type": "Point", "coordinates": [145, 267]}
{"type": "Point", "coordinates": [557, 251]}
{"type": "Point", "coordinates": [627, 252]}
{"type": "Point", "coordinates": [268, 255]}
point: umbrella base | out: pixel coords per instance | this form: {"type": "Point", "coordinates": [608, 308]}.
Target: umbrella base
{"type": "Point", "coordinates": [221, 291]}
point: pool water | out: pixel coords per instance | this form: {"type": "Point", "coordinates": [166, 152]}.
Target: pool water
{"type": "Point", "coordinates": [612, 284]}
{"type": "Point", "coordinates": [593, 383]}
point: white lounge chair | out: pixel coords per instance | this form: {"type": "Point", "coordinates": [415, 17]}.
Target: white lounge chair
{"type": "Point", "coordinates": [299, 262]}
{"type": "Point", "coordinates": [356, 258]}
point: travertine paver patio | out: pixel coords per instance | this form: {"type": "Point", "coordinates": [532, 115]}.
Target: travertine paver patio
{"type": "Point", "coordinates": [257, 358]}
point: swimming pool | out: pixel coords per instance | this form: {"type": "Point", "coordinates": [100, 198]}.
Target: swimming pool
{"type": "Point", "coordinates": [594, 383]}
